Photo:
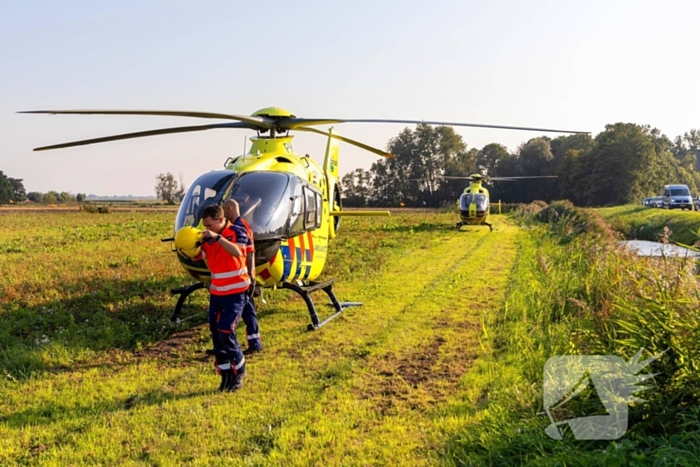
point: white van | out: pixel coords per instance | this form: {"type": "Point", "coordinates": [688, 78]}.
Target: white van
{"type": "Point", "coordinates": [677, 196]}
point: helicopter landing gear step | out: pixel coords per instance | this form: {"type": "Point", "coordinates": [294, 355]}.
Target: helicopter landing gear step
{"type": "Point", "coordinates": [184, 292]}
{"type": "Point", "coordinates": [305, 292]}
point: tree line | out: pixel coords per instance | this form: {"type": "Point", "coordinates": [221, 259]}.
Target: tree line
{"type": "Point", "coordinates": [622, 164]}
{"type": "Point", "coordinates": [12, 191]}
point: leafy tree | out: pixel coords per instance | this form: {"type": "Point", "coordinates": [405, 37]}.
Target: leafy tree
{"type": "Point", "coordinates": [51, 197]}
{"type": "Point", "coordinates": [35, 196]}
{"type": "Point", "coordinates": [461, 165]}
{"type": "Point", "coordinates": [388, 183]}
{"type": "Point", "coordinates": [19, 194]}
{"type": "Point", "coordinates": [6, 192]}
{"type": "Point", "coordinates": [562, 144]}
{"type": "Point", "coordinates": [489, 157]}
{"type": "Point", "coordinates": [684, 149]}
{"type": "Point", "coordinates": [80, 197]}
{"type": "Point", "coordinates": [168, 190]}
{"type": "Point", "coordinates": [624, 152]}
{"type": "Point", "coordinates": [65, 197]}
{"type": "Point", "coordinates": [356, 188]}
{"type": "Point", "coordinates": [414, 177]}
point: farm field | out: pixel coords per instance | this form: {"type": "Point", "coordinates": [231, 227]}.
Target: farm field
{"type": "Point", "coordinates": [442, 365]}
{"type": "Point", "coordinates": [93, 372]}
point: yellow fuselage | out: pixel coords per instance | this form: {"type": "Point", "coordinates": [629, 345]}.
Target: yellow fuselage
{"type": "Point", "coordinates": [472, 216]}
{"type": "Point", "coordinates": [299, 258]}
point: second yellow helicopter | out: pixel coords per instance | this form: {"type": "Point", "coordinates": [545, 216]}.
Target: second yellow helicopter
{"type": "Point", "coordinates": [474, 203]}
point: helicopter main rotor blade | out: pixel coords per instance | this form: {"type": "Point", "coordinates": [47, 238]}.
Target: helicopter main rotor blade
{"type": "Point", "coordinates": [140, 134]}
{"type": "Point", "coordinates": [261, 122]}
{"type": "Point", "coordinates": [520, 178]}
{"type": "Point", "coordinates": [349, 141]}
{"type": "Point", "coordinates": [296, 123]}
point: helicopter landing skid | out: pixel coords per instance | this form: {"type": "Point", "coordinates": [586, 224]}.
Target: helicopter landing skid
{"type": "Point", "coordinates": [460, 224]}
{"type": "Point", "coordinates": [305, 292]}
{"type": "Point", "coordinates": [184, 292]}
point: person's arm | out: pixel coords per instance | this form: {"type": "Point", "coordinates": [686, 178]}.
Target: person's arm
{"type": "Point", "coordinates": [250, 262]}
{"type": "Point", "coordinates": [233, 249]}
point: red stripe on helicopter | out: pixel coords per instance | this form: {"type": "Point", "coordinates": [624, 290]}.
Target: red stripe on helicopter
{"type": "Point", "coordinates": [272, 261]}
{"type": "Point", "coordinates": [303, 249]}
{"type": "Point", "coordinates": [311, 245]}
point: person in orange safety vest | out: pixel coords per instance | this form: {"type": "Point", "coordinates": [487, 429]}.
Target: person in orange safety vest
{"type": "Point", "coordinates": [224, 246]}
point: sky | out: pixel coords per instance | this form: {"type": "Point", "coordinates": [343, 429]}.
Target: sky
{"type": "Point", "coordinates": [574, 65]}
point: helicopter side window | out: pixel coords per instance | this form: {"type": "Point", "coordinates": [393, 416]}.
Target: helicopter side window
{"type": "Point", "coordinates": [319, 210]}
{"type": "Point", "coordinates": [296, 220]}
{"type": "Point", "coordinates": [312, 208]}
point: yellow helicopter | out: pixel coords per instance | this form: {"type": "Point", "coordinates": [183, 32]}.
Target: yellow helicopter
{"type": "Point", "coordinates": [292, 204]}
{"type": "Point", "coordinates": [474, 203]}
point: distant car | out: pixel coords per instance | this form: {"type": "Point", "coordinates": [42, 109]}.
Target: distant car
{"type": "Point", "coordinates": [647, 201]}
{"type": "Point", "coordinates": [658, 202]}
{"type": "Point", "coordinates": [677, 196]}
{"type": "Point", "coordinates": [696, 203]}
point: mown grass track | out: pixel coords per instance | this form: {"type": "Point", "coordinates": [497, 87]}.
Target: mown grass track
{"type": "Point", "coordinates": [368, 389]}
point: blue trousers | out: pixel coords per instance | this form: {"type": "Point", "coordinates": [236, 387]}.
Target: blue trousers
{"type": "Point", "coordinates": [250, 318]}
{"type": "Point", "coordinates": [224, 313]}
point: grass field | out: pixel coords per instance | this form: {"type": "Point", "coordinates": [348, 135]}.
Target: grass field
{"type": "Point", "coordinates": [93, 373]}
{"type": "Point", "coordinates": [442, 365]}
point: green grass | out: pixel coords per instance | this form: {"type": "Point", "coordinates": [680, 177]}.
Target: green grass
{"type": "Point", "coordinates": [642, 223]}
{"type": "Point", "coordinates": [442, 365]}
{"type": "Point", "coordinates": [574, 291]}
{"type": "Point", "coordinates": [93, 373]}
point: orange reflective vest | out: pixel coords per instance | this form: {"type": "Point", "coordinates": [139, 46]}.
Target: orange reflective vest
{"type": "Point", "coordinates": [229, 275]}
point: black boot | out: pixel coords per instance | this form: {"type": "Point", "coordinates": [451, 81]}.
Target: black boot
{"type": "Point", "coordinates": [236, 382]}
{"type": "Point", "coordinates": [227, 379]}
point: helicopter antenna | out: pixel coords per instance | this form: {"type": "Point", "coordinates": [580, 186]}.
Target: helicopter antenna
{"type": "Point", "coordinates": [245, 142]}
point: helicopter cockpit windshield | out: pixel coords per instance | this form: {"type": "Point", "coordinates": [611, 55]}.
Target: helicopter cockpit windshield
{"type": "Point", "coordinates": [276, 205]}
{"type": "Point", "coordinates": [480, 199]}
{"type": "Point", "coordinates": [264, 201]}
{"type": "Point", "coordinates": [207, 189]}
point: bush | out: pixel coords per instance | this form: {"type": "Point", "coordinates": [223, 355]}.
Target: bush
{"type": "Point", "coordinates": [91, 208]}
